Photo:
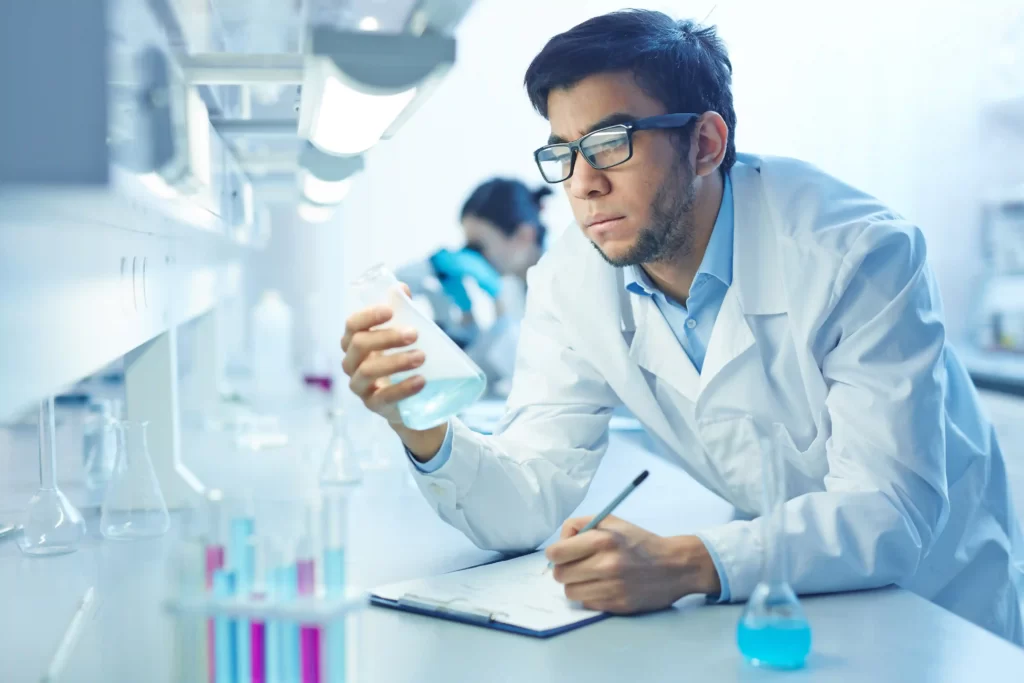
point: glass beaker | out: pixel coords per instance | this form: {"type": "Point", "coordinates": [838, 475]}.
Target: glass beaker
{"type": "Point", "coordinates": [453, 380]}
{"type": "Point", "coordinates": [773, 631]}
{"type": "Point", "coordinates": [52, 526]}
{"type": "Point", "coordinates": [134, 506]}
{"type": "Point", "coordinates": [341, 465]}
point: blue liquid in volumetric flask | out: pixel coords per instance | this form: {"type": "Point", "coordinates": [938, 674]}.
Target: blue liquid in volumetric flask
{"type": "Point", "coordinates": [778, 644]}
{"type": "Point", "coordinates": [439, 400]}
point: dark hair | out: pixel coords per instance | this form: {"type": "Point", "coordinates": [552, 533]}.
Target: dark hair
{"type": "Point", "coordinates": [507, 204]}
{"type": "Point", "coordinates": [681, 63]}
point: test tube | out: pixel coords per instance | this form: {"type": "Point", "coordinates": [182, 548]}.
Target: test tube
{"type": "Point", "coordinates": [224, 631]}
{"type": "Point", "coordinates": [305, 564]}
{"type": "Point", "coordinates": [216, 534]}
{"type": "Point", "coordinates": [257, 629]}
{"type": "Point", "coordinates": [335, 527]}
{"type": "Point", "coordinates": [240, 553]}
{"type": "Point", "coordinates": [288, 585]}
{"type": "Point", "coordinates": [274, 629]}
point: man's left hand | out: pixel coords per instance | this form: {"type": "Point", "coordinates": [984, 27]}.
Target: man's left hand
{"type": "Point", "coordinates": [623, 569]}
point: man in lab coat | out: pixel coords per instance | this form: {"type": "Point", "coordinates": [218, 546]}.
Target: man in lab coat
{"type": "Point", "coordinates": [714, 295]}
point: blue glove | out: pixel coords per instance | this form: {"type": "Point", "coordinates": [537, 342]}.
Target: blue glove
{"type": "Point", "coordinates": [451, 267]}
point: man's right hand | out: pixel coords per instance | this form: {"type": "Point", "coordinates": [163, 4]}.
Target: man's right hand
{"type": "Point", "coordinates": [369, 369]}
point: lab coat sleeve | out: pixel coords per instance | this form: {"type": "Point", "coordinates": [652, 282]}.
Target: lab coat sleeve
{"type": "Point", "coordinates": [885, 498]}
{"type": "Point", "coordinates": [511, 490]}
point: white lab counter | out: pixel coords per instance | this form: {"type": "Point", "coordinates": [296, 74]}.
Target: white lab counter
{"type": "Point", "coordinates": [886, 635]}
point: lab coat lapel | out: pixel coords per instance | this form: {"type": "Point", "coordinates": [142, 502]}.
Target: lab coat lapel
{"type": "Point", "coordinates": [656, 349]}
{"type": "Point", "coordinates": [619, 369]}
{"type": "Point", "coordinates": [730, 337]}
{"type": "Point", "coordinates": [757, 286]}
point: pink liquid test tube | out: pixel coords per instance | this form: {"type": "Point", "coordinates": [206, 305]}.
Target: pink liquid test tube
{"type": "Point", "coordinates": [214, 552]}
{"type": "Point", "coordinates": [309, 635]}
{"type": "Point", "coordinates": [258, 629]}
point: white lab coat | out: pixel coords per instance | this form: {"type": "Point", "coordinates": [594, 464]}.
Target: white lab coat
{"type": "Point", "coordinates": [833, 327]}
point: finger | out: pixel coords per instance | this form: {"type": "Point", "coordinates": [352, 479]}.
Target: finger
{"type": "Point", "coordinates": [364, 320]}
{"type": "Point", "coordinates": [594, 592]}
{"type": "Point", "coordinates": [602, 565]}
{"type": "Point", "coordinates": [408, 292]}
{"type": "Point", "coordinates": [581, 546]}
{"type": "Point", "coordinates": [383, 365]}
{"type": "Point", "coordinates": [393, 393]}
{"type": "Point", "coordinates": [366, 342]}
{"type": "Point", "coordinates": [572, 526]}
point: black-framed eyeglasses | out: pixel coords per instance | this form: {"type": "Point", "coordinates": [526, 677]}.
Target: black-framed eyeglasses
{"type": "Point", "coordinates": [602, 148]}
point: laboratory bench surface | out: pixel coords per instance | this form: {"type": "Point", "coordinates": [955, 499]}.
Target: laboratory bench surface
{"type": "Point", "coordinates": [883, 635]}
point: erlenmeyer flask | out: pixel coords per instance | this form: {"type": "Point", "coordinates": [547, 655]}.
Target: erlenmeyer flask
{"type": "Point", "coordinates": [453, 380]}
{"type": "Point", "coordinates": [134, 506]}
{"type": "Point", "coordinates": [773, 631]}
{"type": "Point", "coordinates": [52, 525]}
{"type": "Point", "coordinates": [341, 465]}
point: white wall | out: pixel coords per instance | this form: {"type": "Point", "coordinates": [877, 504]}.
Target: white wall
{"type": "Point", "coordinates": [885, 94]}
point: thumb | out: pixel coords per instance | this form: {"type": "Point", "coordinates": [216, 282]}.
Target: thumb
{"type": "Point", "coordinates": [405, 288]}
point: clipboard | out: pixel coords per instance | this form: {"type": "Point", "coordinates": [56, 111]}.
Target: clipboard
{"type": "Point", "coordinates": [515, 596]}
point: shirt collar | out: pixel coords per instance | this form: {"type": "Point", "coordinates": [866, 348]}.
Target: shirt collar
{"type": "Point", "coordinates": [717, 261]}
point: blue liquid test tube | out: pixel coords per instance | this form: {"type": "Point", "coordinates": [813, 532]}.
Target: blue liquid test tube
{"type": "Point", "coordinates": [241, 555]}
{"type": "Point", "coordinates": [225, 670]}
{"type": "Point", "coordinates": [335, 524]}
{"type": "Point", "coordinates": [273, 643]}
{"type": "Point", "coordinates": [288, 584]}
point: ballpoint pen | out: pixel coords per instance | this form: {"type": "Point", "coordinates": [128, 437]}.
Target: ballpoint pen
{"type": "Point", "coordinates": [600, 517]}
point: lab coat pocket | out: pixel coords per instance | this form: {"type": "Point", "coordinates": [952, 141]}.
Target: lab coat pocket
{"type": "Point", "coordinates": [733, 448]}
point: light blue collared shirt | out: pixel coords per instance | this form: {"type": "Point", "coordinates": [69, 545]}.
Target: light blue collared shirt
{"type": "Point", "coordinates": [691, 322]}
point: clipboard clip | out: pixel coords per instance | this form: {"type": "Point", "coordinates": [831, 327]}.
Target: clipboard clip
{"type": "Point", "coordinates": [469, 612]}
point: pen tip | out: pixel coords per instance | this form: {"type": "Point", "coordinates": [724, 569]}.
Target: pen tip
{"type": "Point", "coordinates": [643, 475]}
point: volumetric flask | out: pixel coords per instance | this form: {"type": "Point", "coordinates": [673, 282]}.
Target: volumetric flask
{"type": "Point", "coordinates": [134, 506]}
{"type": "Point", "coordinates": [453, 380]}
{"type": "Point", "coordinates": [773, 631]}
{"type": "Point", "coordinates": [52, 525]}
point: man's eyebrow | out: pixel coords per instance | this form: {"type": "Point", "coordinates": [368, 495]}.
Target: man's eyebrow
{"type": "Point", "coordinates": [610, 120]}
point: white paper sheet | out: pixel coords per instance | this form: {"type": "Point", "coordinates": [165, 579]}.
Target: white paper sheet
{"type": "Point", "coordinates": [519, 592]}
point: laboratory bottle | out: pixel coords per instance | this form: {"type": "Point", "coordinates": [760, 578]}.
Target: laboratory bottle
{"type": "Point", "coordinates": [341, 466]}
{"type": "Point", "coordinates": [52, 525]}
{"type": "Point", "coordinates": [134, 506]}
{"type": "Point", "coordinates": [453, 380]}
{"type": "Point", "coordinates": [273, 371]}
{"type": "Point", "coordinates": [773, 631]}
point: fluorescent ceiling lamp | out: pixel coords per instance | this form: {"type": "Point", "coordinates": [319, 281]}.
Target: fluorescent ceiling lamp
{"type": "Point", "coordinates": [360, 86]}
{"type": "Point", "coordinates": [351, 122]}
{"type": "Point", "coordinates": [326, 178]}
{"type": "Point", "coordinates": [369, 24]}
{"type": "Point", "coordinates": [324, 191]}
{"type": "Point", "coordinates": [314, 213]}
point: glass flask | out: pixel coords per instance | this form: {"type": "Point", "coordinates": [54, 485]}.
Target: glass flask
{"type": "Point", "coordinates": [134, 506]}
{"type": "Point", "coordinates": [52, 525]}
{"type": "Point", "coordinates": [773, 631]}
{"type": "Point", "coordinates": [453, 380]}
{"type": "Point", "coordinates": [341, 465]}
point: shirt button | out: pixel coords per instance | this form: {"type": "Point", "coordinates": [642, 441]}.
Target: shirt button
{"type": "Point", "coordinates": [691, 323]}
{"type": "Point", "coordinates": [436, 489]}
